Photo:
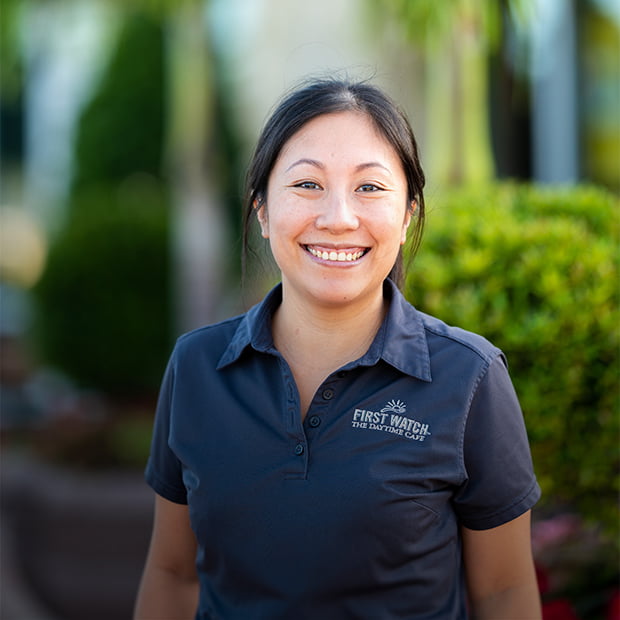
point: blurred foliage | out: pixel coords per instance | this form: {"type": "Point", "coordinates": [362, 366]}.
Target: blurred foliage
{"type": "Point", "coordinates": [103, 300]}
{"type": "Point", "coordinates": [11, 85]}
{"type": "Point", "coordinates": [427, 21]}
{"type": "Point", "coordinates": [600, 71]}
{"type": "Point", "coordinates": [123, 443]}
{"type": "Point", "coordinates": [122, 128]}
{"type": "Point", "coordinates": [229, 164]}
{"type": "Point", "coordinates": [455, 41]}
{"type": "Point", "coordinates": [11, 76]}
{"type": "Point", "coordinates": [536, 271]}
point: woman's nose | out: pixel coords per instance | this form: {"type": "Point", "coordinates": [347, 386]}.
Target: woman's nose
{"type": "Point", "coordinates": [337, 214]}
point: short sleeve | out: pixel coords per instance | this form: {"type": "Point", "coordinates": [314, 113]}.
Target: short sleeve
{"type": "Point", "coordinates": [164, 470]}
{"type": "Point", "coordinates": [500, 482]}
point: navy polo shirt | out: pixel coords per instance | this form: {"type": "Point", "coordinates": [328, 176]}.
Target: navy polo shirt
{"type": "Point", "coordinates": [356, 512]}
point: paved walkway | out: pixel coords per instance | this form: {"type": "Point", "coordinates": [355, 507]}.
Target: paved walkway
{"type": "Point", "coordinates": [17, 601]}
{"type": "Point", "coordinates": [78, 530]}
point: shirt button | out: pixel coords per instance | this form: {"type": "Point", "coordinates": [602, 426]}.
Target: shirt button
{"type": "Point", "coordinates": [299, 449]}
{"type": "Point", "coordinates": [328, 394]}
{"type": "Point", "coordinates": [314, 421]}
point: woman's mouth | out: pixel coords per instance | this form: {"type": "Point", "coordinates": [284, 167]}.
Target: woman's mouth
{"type": "Point", "coordinates": [341, 255]}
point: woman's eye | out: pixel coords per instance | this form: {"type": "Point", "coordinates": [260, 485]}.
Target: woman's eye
{"type": "Point", "coordinates": [307, 185]}
{"type": "Point", "coordinates": [369, 187]}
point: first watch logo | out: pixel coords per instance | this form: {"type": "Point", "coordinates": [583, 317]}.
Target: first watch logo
{"type": "Point", "coordinates": [391, 419]}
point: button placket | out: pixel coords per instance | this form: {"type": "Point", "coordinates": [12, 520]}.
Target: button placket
{"type": "Point", "coordinates": [328, 393]}
{"type": "Point", "coordinates": [314, 421]}
{"type": "Point", "coordinates": [297, 468]}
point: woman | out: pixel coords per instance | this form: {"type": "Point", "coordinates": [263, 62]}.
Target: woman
{"type": "Point", "coordinates": [334, 453]}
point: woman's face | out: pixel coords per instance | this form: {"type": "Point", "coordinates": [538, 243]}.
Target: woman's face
{"type": "Point", "coordinates": [336, 210]}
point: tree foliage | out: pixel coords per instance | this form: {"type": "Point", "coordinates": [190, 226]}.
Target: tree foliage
{"type": "Point", "coordinates": [104, 298]}
{"type": "Point", "coordinates": [103, 306]}
{"type": "Point", "coordinates": [121, 130]}
{"type": "Point", "coordinates": [537, 271]}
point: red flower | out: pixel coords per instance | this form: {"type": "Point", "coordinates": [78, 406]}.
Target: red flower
{"type": "Point", "coordinates": [560, 609]}
{"type": "Point", "coordinates": [613, 609]}
{"type": "Point", "coordinates": [543, 579]}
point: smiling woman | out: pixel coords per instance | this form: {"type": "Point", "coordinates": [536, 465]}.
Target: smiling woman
{"type": "Point", "coordinates": [336, 212]}
{"type": "Point", "coordinates": [333, 452]}
{"type": "Point", "coordinates": [320, 98]}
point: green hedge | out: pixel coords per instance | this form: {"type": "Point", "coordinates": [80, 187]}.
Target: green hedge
{"type": "Point", "coordinates": [103, 301]}
{"type": "Point", "coordinates": [536, 271]}
{"type": "Point", "coordinates": [121, 129]}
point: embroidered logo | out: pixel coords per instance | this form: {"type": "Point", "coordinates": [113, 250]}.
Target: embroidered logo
{"type": "Point", "coordinates": [391, 420]}
{"type": "Point", "coordinates": [395, 406]}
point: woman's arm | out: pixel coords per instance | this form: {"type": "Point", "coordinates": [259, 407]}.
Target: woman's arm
{"type": "Point", "coordinates": [501, 579]}
{"type": "Point", "coordinates": [169, 586]}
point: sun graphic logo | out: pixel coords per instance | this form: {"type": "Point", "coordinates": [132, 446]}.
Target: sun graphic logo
{"type": "Point", "coordinates": [395, 406]}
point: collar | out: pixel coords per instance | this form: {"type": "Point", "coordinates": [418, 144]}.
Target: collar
{"type": "Point", "coordinates": [400, 341]}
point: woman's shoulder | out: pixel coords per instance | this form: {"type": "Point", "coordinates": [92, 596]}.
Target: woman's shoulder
{"type": "Point", "coordinates": [415, 325]}
{"type": "Point", "coordinates": [440, 335]}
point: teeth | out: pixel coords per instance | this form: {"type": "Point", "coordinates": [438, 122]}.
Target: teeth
{"type": "Point", "coordinates": [341, 257]}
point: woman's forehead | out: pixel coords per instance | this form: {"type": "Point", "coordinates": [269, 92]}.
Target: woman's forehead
{"type": "Point", "coordinates": [336, 133]}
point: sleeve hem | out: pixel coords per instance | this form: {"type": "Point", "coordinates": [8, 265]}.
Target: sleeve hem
{"type": "Point", "coordinates": [522, 505]}
{"type": "Point", "coordinates": [173, 494]}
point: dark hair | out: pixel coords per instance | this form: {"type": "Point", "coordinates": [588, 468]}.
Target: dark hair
{"type": "Point", "coordinates": [324, 96]}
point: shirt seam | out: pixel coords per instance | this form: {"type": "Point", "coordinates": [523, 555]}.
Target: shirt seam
{"type": "Point", "coordinates": [486, 357]}
{"type": "Point", "coordinates": [483, 372]}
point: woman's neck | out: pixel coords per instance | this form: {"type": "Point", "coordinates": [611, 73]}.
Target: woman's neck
{"type": "Point", "coordinates": [327, 337]}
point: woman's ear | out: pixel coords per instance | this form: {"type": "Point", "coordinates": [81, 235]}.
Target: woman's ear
{"type": "Point", "coordinates": [261, 214]}
{"type": "Point", "coordinates": [408, 215]}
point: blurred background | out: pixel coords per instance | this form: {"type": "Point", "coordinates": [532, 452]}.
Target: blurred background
{"type": "Point", "coordinates": [125, 132]}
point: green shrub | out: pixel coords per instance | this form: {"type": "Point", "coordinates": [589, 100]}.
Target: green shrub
{"type": "Point", "coordinates": [536, 271]}
{"type": "Point", "coordinates": [121, 129]}
{"type": "Point", "coordinates": [103, 302]}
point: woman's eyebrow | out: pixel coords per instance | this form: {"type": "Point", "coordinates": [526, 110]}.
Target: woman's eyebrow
{"type": "Point", "coordinates": [305, 160]}
{"type": "Point", "coordinates": [318, 164]}
{"type": "Point", "coordinates": [371, 164]}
